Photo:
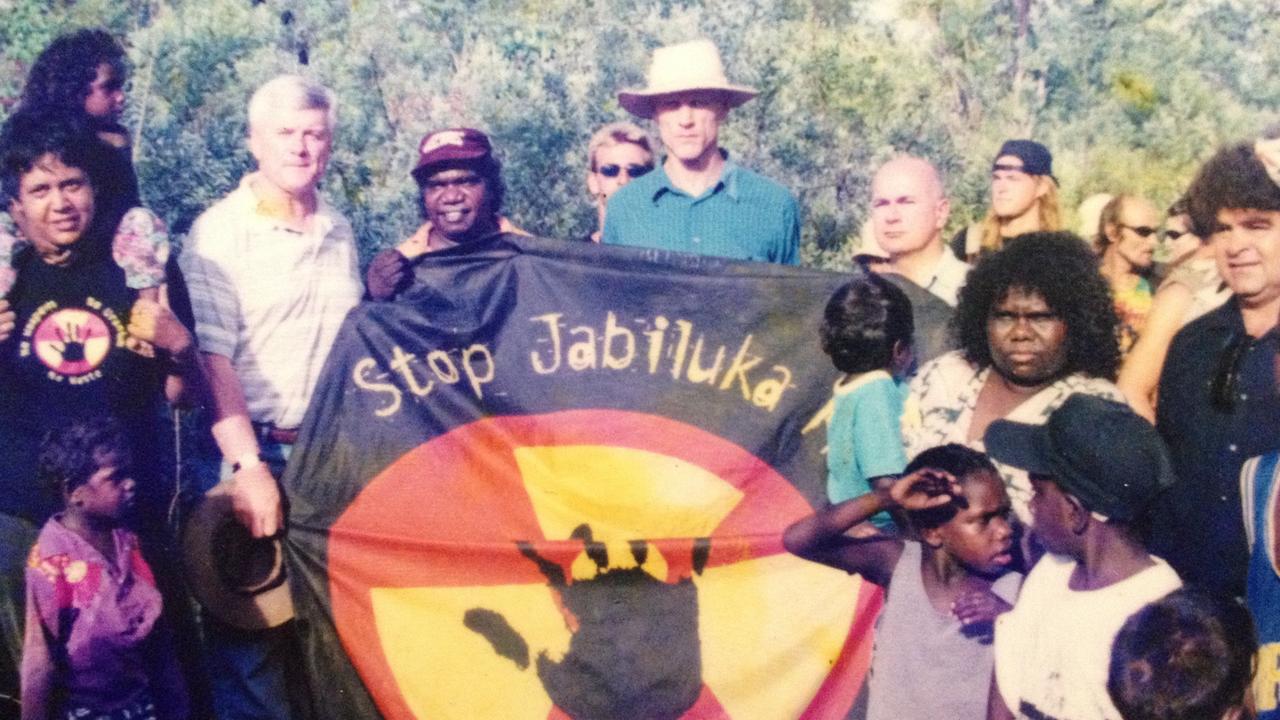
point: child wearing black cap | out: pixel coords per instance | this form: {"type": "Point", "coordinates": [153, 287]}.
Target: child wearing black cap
{"type": "Point", "coordinates": [1095, 467]}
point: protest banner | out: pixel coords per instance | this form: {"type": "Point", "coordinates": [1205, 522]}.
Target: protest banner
{"type": "Point", "coordinates": [550, 481]}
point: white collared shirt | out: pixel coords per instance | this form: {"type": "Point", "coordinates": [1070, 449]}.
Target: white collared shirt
{"type": "Point", "coordinates": [948, 277]}
{"type": "Point", "coordinates": [269, 298]}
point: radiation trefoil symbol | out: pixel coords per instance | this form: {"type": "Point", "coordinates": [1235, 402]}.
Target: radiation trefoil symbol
{"type": "Point", "coordinates": [590, 564]}
{"type": "Point", "coordinates": [71, 342]}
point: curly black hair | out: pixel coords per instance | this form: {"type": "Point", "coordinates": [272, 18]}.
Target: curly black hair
{"type": "Point", "coordinates": [71, 454]}
{"type": "Point", "coordinates": [963, 463]}
{"type": "Point", "coordinates": [61, 75]}
{"type": "Point", "coordinates": [31, 133]}
{"type": "Point", "coordinates": [1188, 655]}
{"type": "Point", "coordinates": [1233, 178]}
{"type": "Point", "coordinates": [1059, 267]}
{"type": "Point", "coordinates": [863, 321]}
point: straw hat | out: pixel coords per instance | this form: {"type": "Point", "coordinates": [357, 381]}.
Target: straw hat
{"type": "Point", "coordinates": [238, 579]}
{"type": "Point", "coordinates": [693, 65]}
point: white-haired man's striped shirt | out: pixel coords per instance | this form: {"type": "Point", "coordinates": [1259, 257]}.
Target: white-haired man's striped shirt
{"type": "Point", "coordinates": [269, 298]}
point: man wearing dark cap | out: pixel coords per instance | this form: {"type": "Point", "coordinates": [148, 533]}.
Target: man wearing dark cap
{"type": "Point", "coordinates": [697, 200]}
{"type": "Point", "coordinates": [1096, 468]}
{"type": "Point", "coordinates": [1024, 198]}
{"type": "Point", "coordinates": [460, 191]}
{"type": "Point", "coordinates": [1217, 395]}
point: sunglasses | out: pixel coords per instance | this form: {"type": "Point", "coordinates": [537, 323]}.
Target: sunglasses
{"type": "Point", "coordinates": [633, 171]}
{"type": "Point", "coordinates": [1145, 231]}
{"type": "Point", "coordinates": [1225, 385]}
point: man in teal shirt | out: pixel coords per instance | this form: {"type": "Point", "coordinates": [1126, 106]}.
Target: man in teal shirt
{"type": "Point", "coordinates": [697, 200]}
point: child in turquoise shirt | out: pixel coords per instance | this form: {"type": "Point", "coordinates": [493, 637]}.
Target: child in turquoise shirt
{"type": "Point", "coordinates": [866, 330]}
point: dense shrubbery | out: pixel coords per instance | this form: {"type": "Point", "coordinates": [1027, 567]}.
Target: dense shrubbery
{"type": "Point", "coordinates": [1130, 94]}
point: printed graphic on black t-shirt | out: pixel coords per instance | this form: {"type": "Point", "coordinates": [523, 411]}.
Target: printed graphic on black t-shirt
{"type": "Point", "coordinates": [69, 358]}
{"type": "Point", "coordinates": [72, 342]}
{"type": "Point", "coordinates": [73, 354]}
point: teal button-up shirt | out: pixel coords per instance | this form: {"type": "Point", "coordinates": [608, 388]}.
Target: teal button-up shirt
{"type": "Point", "coordinates": [744, 216]}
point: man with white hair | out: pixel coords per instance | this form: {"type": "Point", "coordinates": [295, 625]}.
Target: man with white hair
{"type": "Point", "coordinates": [272, 271]}
{"type": "Point", "coordinates": [697, 200]}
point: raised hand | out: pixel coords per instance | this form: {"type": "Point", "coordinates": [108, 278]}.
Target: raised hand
{"type": "Point", "coordinates": [925, 488]}
{"type": "Point", "coordinates": [152, 322]}
{"type": "Point", "coordinates": [977, 610]}
{"type": "Point", "coordinates": [635, 648]}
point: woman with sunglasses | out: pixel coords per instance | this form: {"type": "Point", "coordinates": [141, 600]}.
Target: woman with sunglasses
{"type": "Point", "coordinates": [618, 153]}
{"type": "Point", "coordinates": [1126, 243]}
{"type": "Point", "coordinates": [1192, 287]}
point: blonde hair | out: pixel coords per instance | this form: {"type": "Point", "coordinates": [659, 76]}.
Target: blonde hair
{"type": "Point", "coordinates": [617, 133]}
{"type": "Point", "coordinates": [1048, 212]}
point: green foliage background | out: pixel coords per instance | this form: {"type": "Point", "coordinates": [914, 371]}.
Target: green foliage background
{"type": "Point", "coordinates": [1129, 94]}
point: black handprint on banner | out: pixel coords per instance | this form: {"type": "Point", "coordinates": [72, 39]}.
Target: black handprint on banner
{"type": "Point", "coordinates": [635, 651]}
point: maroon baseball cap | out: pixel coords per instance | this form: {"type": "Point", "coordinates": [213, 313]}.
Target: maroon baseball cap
{"type": "Point", "coordinates": [451, 146]}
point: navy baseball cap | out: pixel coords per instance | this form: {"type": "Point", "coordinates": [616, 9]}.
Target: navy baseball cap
{"type": "Point", "coordinates": [1096, 449]}
{"type": "Point", "coordinates": [1036, 158]}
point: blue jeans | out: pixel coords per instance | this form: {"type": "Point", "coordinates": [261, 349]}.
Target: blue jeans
{"type": "Point", "coordinates": [254, 673]}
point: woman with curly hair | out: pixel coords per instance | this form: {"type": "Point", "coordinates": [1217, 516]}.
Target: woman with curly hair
{"type": "Point", "coordinates": [1035, 324]}
{"type": "Point", "coordinates": [84, 72]}
{"type": "Point", "coordinates": [81, 76]}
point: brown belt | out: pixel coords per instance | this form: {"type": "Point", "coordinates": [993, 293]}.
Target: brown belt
{"type": "Point", "coordinates": [283, 436]}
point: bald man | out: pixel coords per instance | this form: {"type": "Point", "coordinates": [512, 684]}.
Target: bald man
{"type": "Point", "coordinates": [908, 212]}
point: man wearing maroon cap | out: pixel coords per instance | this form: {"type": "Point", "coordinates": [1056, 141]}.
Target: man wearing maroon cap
{"type": "Point", "coordinates": [460, 190]}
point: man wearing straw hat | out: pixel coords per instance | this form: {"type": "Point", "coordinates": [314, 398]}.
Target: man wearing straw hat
{"type": "Point", "coordinates": [697, 200]}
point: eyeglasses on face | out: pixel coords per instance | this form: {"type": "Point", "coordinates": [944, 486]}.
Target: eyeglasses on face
{"type": "Point", "coordinates": [1145, 231]}
{"type": "Point", "coordinates": [633, 171]}
{"type": "Point", "coordinates": [1041, 322]}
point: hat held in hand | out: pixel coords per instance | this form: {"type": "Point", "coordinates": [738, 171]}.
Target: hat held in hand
{"type": "Point", "coordinates": [239, 579]}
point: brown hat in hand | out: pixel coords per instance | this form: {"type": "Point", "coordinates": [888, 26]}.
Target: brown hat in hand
{"type": "Point", "coordinates": [237, 578]}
